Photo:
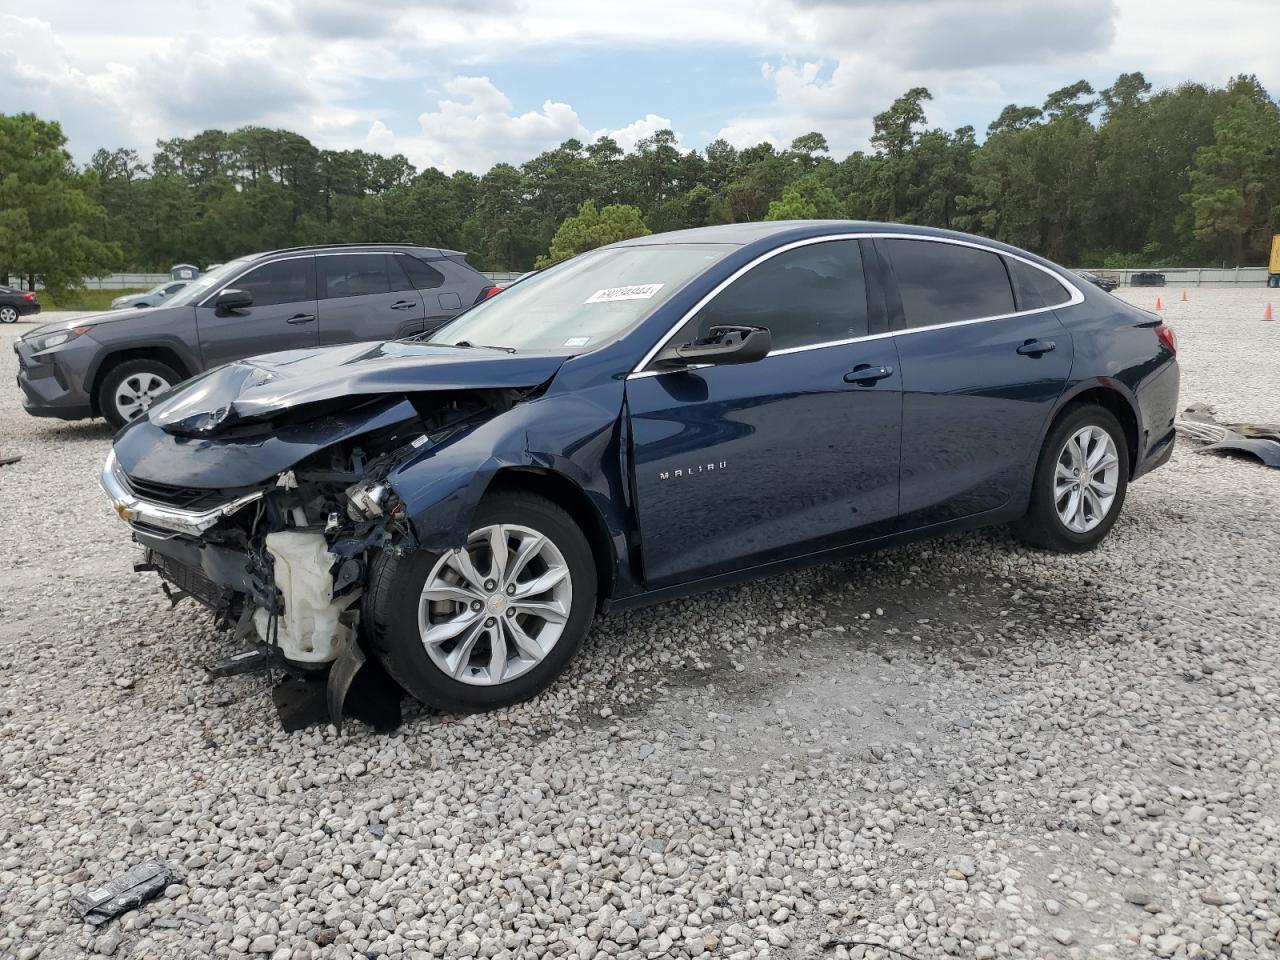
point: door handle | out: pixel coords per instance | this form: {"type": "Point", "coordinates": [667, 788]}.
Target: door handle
{"type": "Point", "coordinates": [403, 305]}
{"type": "Point", "coordinates": [866, 375]}
{"type": "Point", "coordinates": [1033, 348]}
{"type": "Point", "coordinates": [301, 318]}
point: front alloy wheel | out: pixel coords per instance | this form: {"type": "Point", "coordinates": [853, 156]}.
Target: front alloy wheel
{"type": "Point", "coordinates": [134, 395]}
{"type": "Point", "coordinates": [492, 610]}
{"type": "Point", "coordinates": [492, 622]}
{"type": "Point", "coordinates": [129, 389]}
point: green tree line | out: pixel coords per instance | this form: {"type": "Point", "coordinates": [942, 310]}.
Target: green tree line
{"type": "Point", "coordinates": [1115, 177]}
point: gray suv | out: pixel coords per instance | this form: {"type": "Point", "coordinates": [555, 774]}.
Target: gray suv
{"type": "Point", "coordinates": [115, 364]}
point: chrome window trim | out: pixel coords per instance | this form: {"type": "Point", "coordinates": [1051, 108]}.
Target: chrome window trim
{"type": "Point", "coordinates": [1076, 296]}
{"type": "Point", "coordinates": [297, 256]}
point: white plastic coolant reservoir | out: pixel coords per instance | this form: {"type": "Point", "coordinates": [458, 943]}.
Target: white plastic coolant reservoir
{"type": "Point", "coordinates": [310, 629]}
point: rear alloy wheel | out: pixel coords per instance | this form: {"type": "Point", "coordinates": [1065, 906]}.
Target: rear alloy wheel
{"type": "Point", "coordinates": [1080, 482]}
{"type": "Point", "coordinates": [129, 389]}
{"type": "Point", "coordinates": [491, 623]}
{"type": "Point", "coordinates": [8, 314]}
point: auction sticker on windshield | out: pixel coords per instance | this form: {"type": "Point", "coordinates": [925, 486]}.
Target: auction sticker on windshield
{"type": "Point", "coordinates": [637, 291]}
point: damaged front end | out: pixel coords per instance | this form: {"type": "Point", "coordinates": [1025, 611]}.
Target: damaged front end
{"type": "Point", "coordinates": [282, 559]}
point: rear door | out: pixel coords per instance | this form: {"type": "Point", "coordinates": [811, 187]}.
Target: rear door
{"type": "Point", "coordinates": [443, 297]}
{"type": "Point", "coordinates": [981, 373]}
{"type": "Point", "coordinates": [282, 317]}
{"type": "Point", "coordinates": [366, 296]}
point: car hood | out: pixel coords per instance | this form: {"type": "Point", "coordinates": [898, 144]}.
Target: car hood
{"type": "Point", "coordinates": [260, 388]}
{"type": "Point", "coordinates": [110, 316]}
{"type": "Point", "coordinates": [240, 424]}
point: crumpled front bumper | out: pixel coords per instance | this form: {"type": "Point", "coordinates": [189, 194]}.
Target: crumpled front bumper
{"type": "Point", "coordinates": [135, 510]}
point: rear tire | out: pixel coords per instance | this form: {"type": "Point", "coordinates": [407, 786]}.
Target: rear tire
{"type": "Point", "coordinates": [8, 314]}
{"type": "Point", "coordinates": [129, 388]}
{"type": "Point", "coordinates": [1081, 479]}
{"type": "Point", "coordinates": [491, 622]}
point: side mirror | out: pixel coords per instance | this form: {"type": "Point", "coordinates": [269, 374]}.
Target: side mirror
{"type": "Point", "coordinates": [723, 345]}
{"type": "Point", "coordinates": [232, 299]}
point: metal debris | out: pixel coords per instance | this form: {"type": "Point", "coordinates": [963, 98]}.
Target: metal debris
{"type": "Point", "coordinates": [1258, 440]}
{"type": "Point", "coordinates": [124, 891]}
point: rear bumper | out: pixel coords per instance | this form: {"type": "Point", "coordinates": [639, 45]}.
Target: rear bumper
{"type": "Point", "coordinates": [1157, 456]}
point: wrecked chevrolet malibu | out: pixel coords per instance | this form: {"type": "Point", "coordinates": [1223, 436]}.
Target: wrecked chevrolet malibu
{"type": "Point", "coordinates": [663, 415]}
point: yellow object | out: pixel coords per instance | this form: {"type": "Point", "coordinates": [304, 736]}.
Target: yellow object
{"type": "Point", "coordinates": [1275, 255]}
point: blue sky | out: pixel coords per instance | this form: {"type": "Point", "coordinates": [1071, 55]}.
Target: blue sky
{"type": "Point", "coordinates": [462, 84]}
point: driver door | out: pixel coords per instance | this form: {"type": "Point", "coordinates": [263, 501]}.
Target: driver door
{"type": "Point", "coordinates": [282, 317]}
{"type": "Point", "coordinates": [739, 465]}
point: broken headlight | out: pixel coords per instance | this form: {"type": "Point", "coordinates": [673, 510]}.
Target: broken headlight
{"type": "Point", "coordinates": [366, 501]}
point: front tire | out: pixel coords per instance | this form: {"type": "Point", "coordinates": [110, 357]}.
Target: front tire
{"type": "Point", "coordinates": [129, 388]}
{"type": "Point", "coordinates": [490, 624]}
{"type": "Point", "coordinates": [1080, 482]}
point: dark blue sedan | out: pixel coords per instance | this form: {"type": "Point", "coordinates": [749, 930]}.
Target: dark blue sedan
{"type": "Point", "coordinates": [660, 416]}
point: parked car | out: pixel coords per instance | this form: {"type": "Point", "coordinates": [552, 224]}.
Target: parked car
{"type": "Point", "coordinates": [17, 303]}
{"type": "Point", "coordinates": [115, 364]}
{"type": "Point", "coordinates": [1102, 283]}
{"type": "Point", "coordinates": [1147, 278]}
{"type": "Point", "coordinates": [151, 298]}
{"type": "Point", "coordinates": [657, 417]}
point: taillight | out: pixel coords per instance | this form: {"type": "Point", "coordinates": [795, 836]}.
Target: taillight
{"type": "Point", "coordinates": [1167, 337]}
{"type": "Point", "coordinates": [29, 297]}
{"type": "Point", "coordinates": [488, 292]}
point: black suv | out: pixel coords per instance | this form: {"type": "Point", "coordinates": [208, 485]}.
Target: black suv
{"type": "Point", "coordinates": [114, 364]}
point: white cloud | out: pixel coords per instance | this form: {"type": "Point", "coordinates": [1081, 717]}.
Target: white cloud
{"type": "Point", "coordinates": [476, 126]}
{"type": "Point", "coordinates": [627, 137]}
{"type": "Point", "coordinates": [344, 74]}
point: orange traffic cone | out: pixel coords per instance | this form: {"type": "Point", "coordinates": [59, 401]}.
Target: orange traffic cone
{"type": "Point", "coordinates": [1184, 296]}
{"type": "Point", "coordinates": [1159, 305]}
{"type": "Point", "coordinates": [1267, 313]}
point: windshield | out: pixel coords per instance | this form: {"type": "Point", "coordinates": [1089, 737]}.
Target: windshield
{"type": "Point", "coordinates": [201, 285]}
{"type": "Point", "coordinates": [582, 303]}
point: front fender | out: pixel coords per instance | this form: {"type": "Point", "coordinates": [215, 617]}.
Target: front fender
{"type": "Point", "coordinates": [575, 435]}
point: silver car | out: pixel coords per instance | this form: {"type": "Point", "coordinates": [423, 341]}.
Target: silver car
{"type": "Point", "coordinates": [153, 297]}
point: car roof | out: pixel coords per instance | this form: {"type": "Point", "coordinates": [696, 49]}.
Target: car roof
{"type": "Point", "coordinates": [773, 232]}
{"type": "Point", "coordinates": [424, 253]}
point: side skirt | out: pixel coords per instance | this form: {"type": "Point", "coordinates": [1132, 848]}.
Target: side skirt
{"type": "Point", "coordinates": [995, 517]}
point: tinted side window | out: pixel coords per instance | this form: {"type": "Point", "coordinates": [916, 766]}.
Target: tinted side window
{"type": "Point", "coordinates": [812, 294]}
{"type": "Point", "coordinates": [395, 273]}
{"type": "Point", "coordinates": [352, 275]}
{"type": "Point", "coordinates": [173, 288]}
{"type": "Point", "coordinates": [946, 282]}
{"type": "Point", "coordinates": [1033, 288]}
{"type": "Point", "coordinates": [421, 275]}
{"type": "Point", "coordinates": [285, 281]}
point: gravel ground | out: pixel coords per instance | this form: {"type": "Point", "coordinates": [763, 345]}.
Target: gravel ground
{"type": "Point", "coordinates": [956, 749]}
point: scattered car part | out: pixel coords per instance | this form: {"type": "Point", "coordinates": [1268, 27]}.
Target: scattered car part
{"type": "Point", "coordinates": [124, 891]}
{"type": "Point", "coordinates": [1258, 440]}
{"type": "Point", "coordinates": [6, 461]}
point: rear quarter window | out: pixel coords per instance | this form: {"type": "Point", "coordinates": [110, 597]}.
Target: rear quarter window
{"type": "Point", "coordinates": [1033, 288]}
{"type": "Point", "coordinates": [423, 276]}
